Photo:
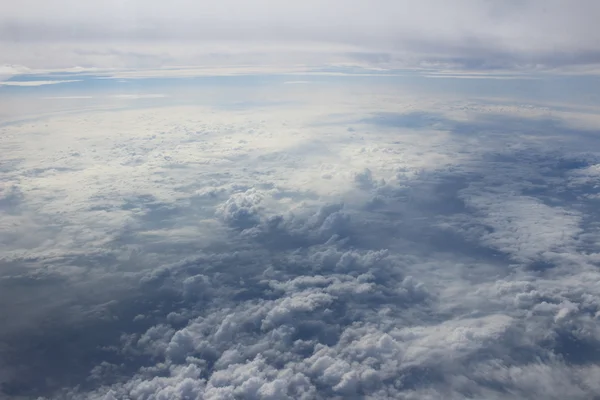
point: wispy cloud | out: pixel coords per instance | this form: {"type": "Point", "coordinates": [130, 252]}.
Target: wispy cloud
{"type": "Point", "coordinates": [36, 83]}
{"type": "Point", "coordinates": [139, 96]}
{"type": "Point", "coordinates": [68, 97]}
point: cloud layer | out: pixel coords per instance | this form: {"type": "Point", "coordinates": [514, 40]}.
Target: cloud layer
{"type": "Point", "coordinates": [356, 245]}
{"type": "Point", "coordinates": [465, 34]}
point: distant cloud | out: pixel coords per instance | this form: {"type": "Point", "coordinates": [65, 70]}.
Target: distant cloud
{"type": "Point", "coordinates": [139, 96]}
{"type": "Point", "coordinates": [68, 97]}
{"type": "Point", "coordinates": [36, 83]}
{"type": "Point", "coordinates": [530, 34]}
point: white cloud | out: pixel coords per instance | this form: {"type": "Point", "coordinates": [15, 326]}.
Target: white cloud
{"type": "Point", "coordinates": [36, 83]}
{"type": "Point", "coordinates": [138, 96]}
{"type": "Point", "coordinates": [191, 251]}
{"type": "Point", "coordinates": [524, 227]}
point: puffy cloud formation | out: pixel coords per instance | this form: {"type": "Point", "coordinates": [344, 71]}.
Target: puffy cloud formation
{"type": "Point", "coordinates": [381, 249]}
{"type": "Point", "coordinates": [333, 320]}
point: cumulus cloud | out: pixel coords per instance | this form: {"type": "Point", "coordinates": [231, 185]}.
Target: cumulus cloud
{"type": "Point", "coordinates": [435, 249]}
{"type": "Point", "coordinates": [525, 227]}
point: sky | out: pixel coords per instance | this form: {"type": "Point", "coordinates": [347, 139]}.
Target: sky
{"type": "Point", "coordinates": [538, 34]}
{"type": "Point", "coordinates": [299, 200]}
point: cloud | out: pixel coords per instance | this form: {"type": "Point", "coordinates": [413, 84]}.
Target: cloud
{"type": "Point", "coordinates": [525, 227]}
{"type": "Point", "coordinates": [68, 97]}
{"type": "Point", "coordinates": [138, 96]}
{"type": "Point", "coordinates": [36, 83]}
{"type": "Point", "coordinates": [191, 251]}
{"type": "Point", "coordinates": [484, 35]}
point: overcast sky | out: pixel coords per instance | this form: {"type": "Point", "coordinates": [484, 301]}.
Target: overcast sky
{"type": "Point", "coordinates": [473, 34]}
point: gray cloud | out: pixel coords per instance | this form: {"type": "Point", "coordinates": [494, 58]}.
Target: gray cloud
{"type": "Point", "coordinates": [479, 35]}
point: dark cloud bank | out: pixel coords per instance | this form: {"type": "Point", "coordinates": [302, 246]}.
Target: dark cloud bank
{"type": "Point", "coordinates": [479, 281]}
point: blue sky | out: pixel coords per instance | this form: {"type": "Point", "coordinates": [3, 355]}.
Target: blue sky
{"type": "Point", "coordinates": [189, 87]}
